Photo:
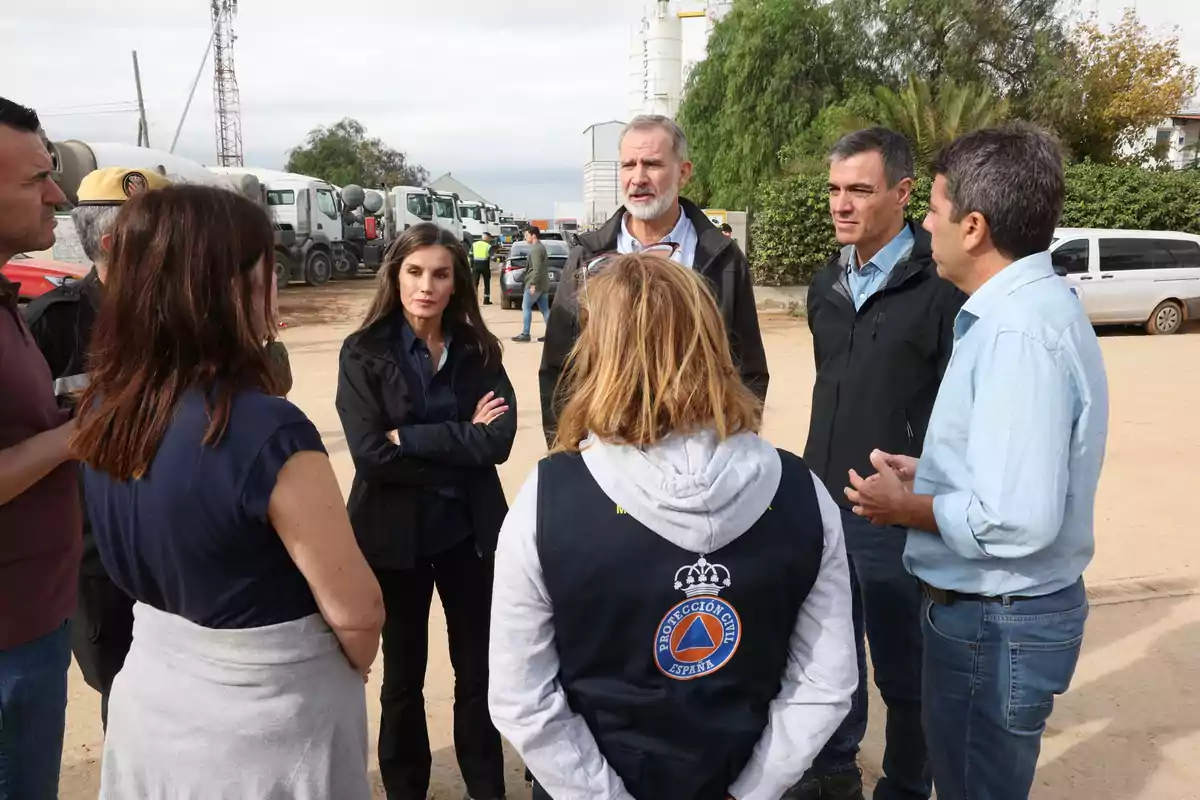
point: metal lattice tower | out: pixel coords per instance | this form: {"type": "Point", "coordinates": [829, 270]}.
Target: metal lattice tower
{"type": "Point", "coordinates": [227, 104]}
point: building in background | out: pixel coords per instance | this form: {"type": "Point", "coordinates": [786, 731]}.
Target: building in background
{"type": "Point", "coordinates": [657, 68]}
{"type": "Point", "coordinates": [601, 173]}
{"type": "Point", "coordinates": [1177, 139]}
{"type": "Point", "coordinates": [448, 184]}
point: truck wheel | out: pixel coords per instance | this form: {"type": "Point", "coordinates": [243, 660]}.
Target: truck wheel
{"type": "Point", "coordinates": [346, 265]}
{"type": "Point", "coordinates": [282, 272]}
{"type": "Point", "coordinates": [318, 268]}
{"type": "Point", "coordinates": [1166, 319]}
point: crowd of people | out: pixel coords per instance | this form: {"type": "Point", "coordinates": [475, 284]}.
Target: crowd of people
{"type": "Point", "coordinates": [672, 609]}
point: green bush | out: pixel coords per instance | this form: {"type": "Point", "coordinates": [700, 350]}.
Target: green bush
{"type": "Point", "coordinates": [791, 233]}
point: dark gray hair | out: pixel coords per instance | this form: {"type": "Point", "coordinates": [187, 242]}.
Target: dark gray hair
{"type": "Point", "coordinates": [1013, 176]}
{"type": "Point", "coordinates": [18, 117]}
{"type": "Point", "coordinates": [646, 121]}
{"type": "Point", "coordinates": [92, 222]}
{"type": "Point", "coordinates": [893, 147]}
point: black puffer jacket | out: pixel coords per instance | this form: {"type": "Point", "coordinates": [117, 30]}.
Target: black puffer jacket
{"type": "Point", "coordinates": [879, 368]}
{"type": "Point", "coordinates": [718, 258]}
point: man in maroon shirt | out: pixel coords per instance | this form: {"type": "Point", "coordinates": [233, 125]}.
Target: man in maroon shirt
{"type": "Point", "coordinates": [40, 520]}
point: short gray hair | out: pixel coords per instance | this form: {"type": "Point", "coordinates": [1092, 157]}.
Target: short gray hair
{"type": "Point", "coordinates": [1011, 175]}
{"type": "Point", "coordinates": [92, 222]}
{"type": "Point", "coordinates": [647, 121]}
{"type": "Point", "coordinates": [892, 147]}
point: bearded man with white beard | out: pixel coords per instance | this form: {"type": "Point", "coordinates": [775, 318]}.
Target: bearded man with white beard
{"type": "Point", "coordinates": [654, 169]}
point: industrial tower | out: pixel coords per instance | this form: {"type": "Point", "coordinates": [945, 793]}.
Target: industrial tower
{"type": "Point", "coordinates": [227, 104]}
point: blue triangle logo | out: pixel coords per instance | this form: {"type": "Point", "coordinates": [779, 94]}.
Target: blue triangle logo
{"type": "Point", "coordinates": [696, 638]}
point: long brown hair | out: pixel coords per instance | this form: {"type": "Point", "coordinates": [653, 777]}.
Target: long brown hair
{"type": "Point", "coordinates": [462, 314]}
{"type": "Point", "coordinates": [652, 359]}
{"type": "Point", "coordinates": [185, 308]}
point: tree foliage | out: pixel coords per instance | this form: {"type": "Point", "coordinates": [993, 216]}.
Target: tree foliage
{"type": "Point", "coordinates": [343, 154]}
{"type": "Point", "coordinates": [772, 66]}
{"type": "Point", "coordinates": [1123, 81]}
{"type": "Point", "coordinates": [932, 118]}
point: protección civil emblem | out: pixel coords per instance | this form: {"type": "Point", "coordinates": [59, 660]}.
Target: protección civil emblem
{"type": "Point", "coordinates": [701, 634]}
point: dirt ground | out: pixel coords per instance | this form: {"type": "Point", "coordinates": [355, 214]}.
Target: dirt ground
{"type": "Point", "coordinates": [1129, 729]}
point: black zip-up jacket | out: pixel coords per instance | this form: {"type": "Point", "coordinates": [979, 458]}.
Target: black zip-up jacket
{"type": "Point", "coordinates": [372, 399]}
{"type": "Point", "coordinates": [879, 368]}
{"type": "Point", "coordinates": [718, 258]}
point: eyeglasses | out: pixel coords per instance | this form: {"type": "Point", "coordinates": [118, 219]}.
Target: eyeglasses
{"type": "Point", "coordinates": [597, 263]}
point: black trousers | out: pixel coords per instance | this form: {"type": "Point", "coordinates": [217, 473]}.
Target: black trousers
{"type": "Point", "coordinates": [464, 583]}
{"type": "Point", "coordinates": [483, 272]}
{"type": "Point", "coordinates": [101, 633]}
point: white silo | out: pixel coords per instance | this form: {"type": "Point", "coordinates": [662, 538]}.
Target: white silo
{"type": "Point", "coordinates": [637, 69]}
{"type": "Point", "coordinates": [664, 61]}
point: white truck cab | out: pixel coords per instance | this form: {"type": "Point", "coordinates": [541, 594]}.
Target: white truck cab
{"type": "Point", "coordinates": [311, 208]}
{"type": "Point", "coordinates": [474, 218]}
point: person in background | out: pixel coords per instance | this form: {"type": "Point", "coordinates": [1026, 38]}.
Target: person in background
{"type": "Point", "coordinates": [61, 322]}
{"type": "Point", "coordinates": [671, 615]}
{"type": "Point", "coordinates": [429, 413]}
{"type": "Point", "coordinates": [654, 169]}
{"type": "Point", "coordinates": [40, 520]}
{"type": "Point", "coordinates": [481, 265]}
{"type": "Point", "coordinates": [536, 284]}
{"type": "Point", "coordinates": [1002, 508]}
{"type": "Point", "coordinates": [883, 324]}
{"type": "Point", "coordinates": [727, 230]}
{"type": "Point", "coordinates": [214, 506]}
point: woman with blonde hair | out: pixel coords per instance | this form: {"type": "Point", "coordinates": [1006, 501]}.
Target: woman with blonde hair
{"type": "Point", "coordinates": [671, 614]}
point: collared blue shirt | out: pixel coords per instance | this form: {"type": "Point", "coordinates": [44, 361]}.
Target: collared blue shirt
{"type": "Point", "coordinates": [1016, 442]}
{"type": "Point", "coordinates": [683, 234]}
{"type": "Point", "coordinates": [869, 278]}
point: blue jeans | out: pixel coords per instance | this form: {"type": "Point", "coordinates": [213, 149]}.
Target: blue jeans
{"type": "Point", "coordinates": [992, 671]}
{"type": "Point", "coordinates": [527, 303]}
{"type": "Point", "coordinates": [887, 613]}
{"type": "Point", "coordinates": [33, 715]}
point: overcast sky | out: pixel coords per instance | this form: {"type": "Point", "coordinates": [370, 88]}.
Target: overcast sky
{"type": "Point", "coordinates": [414, 74]}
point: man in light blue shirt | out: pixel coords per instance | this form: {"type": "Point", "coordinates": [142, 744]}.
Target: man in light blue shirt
{"type": "Point", "coordinates": [867, 279]}
{"type": "Point", "coordinates": [1001, 508]}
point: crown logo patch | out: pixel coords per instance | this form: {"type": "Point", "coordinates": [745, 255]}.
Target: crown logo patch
{"type": "Point", "coordinates": [700, 635]}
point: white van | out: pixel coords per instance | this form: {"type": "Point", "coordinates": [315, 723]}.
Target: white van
{"type": "Point", "coordinates": [1149, 278]}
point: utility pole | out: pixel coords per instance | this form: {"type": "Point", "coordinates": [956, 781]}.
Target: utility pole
{"type": "Point", "coordinates": [227, 103]}
{"type": "Point", "coordinates": [143, 128]}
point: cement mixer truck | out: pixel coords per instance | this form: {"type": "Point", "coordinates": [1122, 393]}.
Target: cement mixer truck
{"type": "Point", "coordinates": [74, 159]}
{"type": "Point", "coordinates": [363, 232]}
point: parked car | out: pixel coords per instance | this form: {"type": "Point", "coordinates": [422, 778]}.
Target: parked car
{"type": "Point", "coordinates": [512, 277]}
{"type": "Point", "coordinates": [553, 236]}
{"type": "Point", "coordinates": [1148, 278]}
{"type": "Point", "coordinates": [37, 276]}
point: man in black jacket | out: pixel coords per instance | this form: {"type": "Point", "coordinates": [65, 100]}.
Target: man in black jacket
{"type": "Point", "coordinates": [654, 169]}
{"type": "Point", "coordinates": [882, 323]}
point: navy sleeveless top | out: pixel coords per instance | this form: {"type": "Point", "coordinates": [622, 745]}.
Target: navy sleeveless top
{"type": "Point", "coordinates": [192, 537]}
{"type": "Point", "coordinates": [671, 657]}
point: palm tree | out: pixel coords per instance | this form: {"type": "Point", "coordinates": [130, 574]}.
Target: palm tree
{"type": "Point", "coordinates": [931, 118]}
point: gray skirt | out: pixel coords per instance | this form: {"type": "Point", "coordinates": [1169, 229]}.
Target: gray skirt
{"type": "Point", "coordinates": [203, 714]}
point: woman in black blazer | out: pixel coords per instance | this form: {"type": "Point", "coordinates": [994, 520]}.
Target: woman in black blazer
{"type": "Point", "coordinates": [428, 413]}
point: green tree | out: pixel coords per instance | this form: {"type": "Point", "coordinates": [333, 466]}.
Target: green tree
{"type": "Point", "coordinates": [932, 118]}
{"type": "Point", "coordinates": [343, 154]}
{"type": "Point", "coordinates": [1122, 81]}
{"type": "Point", "coordinates": [772, 66]}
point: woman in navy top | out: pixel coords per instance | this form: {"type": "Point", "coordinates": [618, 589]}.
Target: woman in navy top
{"type": "Point", "coordinates": [428, 413]}
{"type": "Point", "coordinates": [215, 507]}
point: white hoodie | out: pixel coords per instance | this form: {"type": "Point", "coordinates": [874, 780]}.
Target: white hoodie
{"type": "Point", "coordinates": [699, 494]}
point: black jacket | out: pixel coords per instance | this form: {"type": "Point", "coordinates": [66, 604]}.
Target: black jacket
{"type": "Point", "coordinates": [718, 258]}
{"type": "Point", "coordinates": [372, 399]}
{"type": "Point", "coordinates": [878, 369]}
{"type": "Point", "coordinates": [61, 322]}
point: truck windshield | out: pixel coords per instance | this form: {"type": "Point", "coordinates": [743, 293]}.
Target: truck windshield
{"type": "Point", "coordinates": [491, 215]}
{"type": "Point", "coordinates": [469, 212]}
{"type": "Point", "coordinates": [420, 206]}
{"type": "Point", "coordinates": [444, 206]}
{"type": "Point", "coordinates": [281, 197]}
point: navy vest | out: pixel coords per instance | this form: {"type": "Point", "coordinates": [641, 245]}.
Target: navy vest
{"type": "Point", "coordinates": [673, 658]}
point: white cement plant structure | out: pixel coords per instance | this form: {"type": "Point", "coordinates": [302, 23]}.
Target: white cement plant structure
{"type": "Point", "coordinates": [657, 70]}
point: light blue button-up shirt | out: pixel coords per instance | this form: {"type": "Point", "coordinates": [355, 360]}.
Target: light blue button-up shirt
{"type": "Point", "coordinates": [683, 234]}
{"type": "Point", "coordinates": [1015, 445]}
{"type": "Point", "coordinates": [869, 278]}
